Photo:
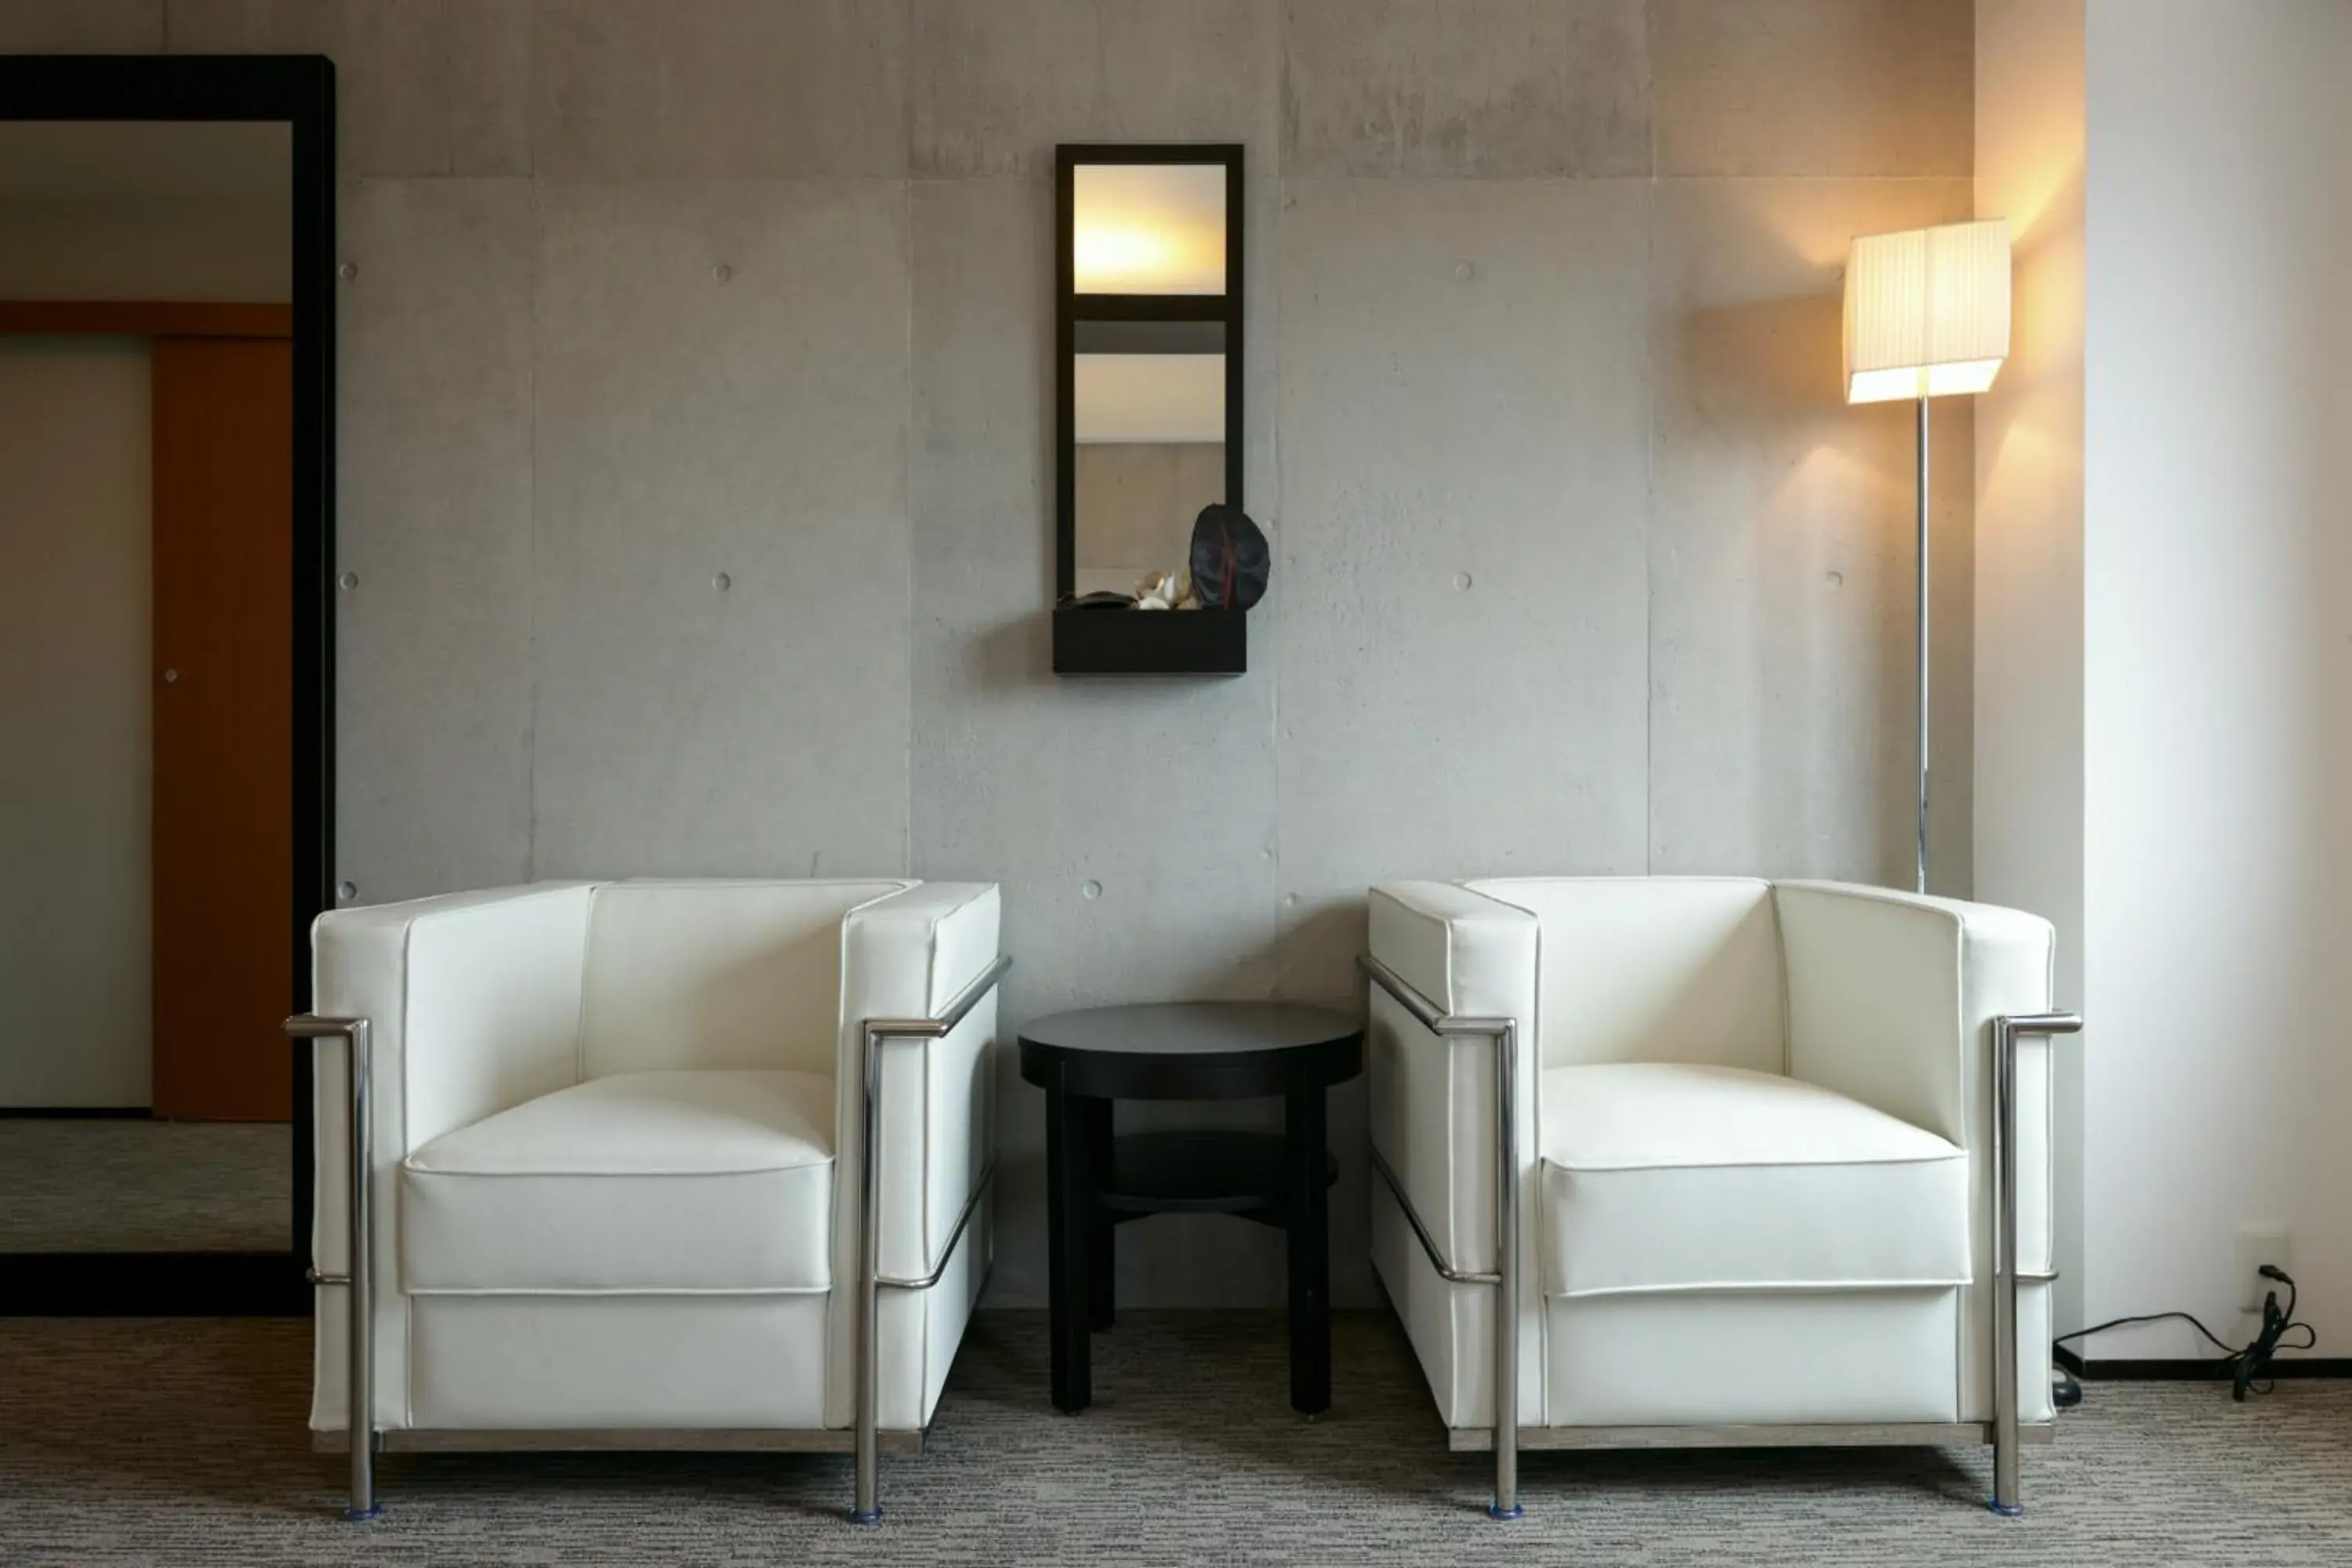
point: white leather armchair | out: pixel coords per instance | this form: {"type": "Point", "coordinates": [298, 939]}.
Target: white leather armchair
{"type": "Point", "coordinates": [612, 1189]}
{"type": "Point", "coordinates": [1763, 1163]}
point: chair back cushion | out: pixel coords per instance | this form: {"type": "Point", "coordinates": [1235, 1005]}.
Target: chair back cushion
{"type": "Point", "coordinates": [1655, 969]}
{"type": "Point", "coordinates": [707, 974]}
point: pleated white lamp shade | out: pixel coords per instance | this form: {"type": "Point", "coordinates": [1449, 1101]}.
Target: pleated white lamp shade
{"type": "Point", "coordinates": [1926, 312]}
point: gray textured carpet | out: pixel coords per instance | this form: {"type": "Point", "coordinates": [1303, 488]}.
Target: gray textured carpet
{"type": "Point", "coordinates": [182, 1443]}
{"type": "Point", "coordinates": [106, 1185]}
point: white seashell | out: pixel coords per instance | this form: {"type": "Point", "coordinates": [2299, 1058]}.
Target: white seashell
{"type": "Point", "coordinates": [1157, 591]}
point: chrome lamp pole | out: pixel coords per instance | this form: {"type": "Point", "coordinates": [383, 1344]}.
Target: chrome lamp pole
{"type": "Point", "coordinates": [1924, 618]}
{"type": "Point", "coordinates": [1926, 314]}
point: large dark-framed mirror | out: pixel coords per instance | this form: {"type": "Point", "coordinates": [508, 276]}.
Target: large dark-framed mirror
{"type": "Point", "coordinates": [1148, 417]}
{"type": "Point", "coordinates": [169, 288]}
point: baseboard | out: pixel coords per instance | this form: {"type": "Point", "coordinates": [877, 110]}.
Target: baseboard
{"type": "Point", "coordinates": [2193, 1370]}
{"type": "Point", "coordinates": [152, 1285]}
{"type": "Point", "coordinates": [76, 1112]}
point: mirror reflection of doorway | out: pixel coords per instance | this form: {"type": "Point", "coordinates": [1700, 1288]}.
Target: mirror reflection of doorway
{"type": "Point", "coordinates": [147, 655]}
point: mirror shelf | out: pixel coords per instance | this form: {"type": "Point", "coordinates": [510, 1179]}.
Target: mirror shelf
{"type": "Point", "coordinates": [1148, 360]}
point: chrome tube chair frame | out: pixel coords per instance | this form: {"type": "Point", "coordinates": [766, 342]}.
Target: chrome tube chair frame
{"type": "Point", "coordinates": [2004, 1431]}
{"type": "Point", "coordinates": [863, 1439]}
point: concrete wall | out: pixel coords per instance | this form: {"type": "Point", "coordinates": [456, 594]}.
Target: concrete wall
{"type": "Point", "coordinates": [1582, 565]}
{"type": "Point", "coordinates": [2029, 533]}
{"type": "Point", "coordinates": [2218, 747]}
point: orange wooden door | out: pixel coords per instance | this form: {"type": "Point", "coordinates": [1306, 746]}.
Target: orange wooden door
{"type": "Point", "coordinates": [224, 844]}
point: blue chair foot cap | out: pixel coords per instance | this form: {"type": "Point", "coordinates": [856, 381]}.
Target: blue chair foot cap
{"type": "Point", "coordinates": [864, 1516]}
{"type": "Point", "coordinates": [1514, 1511]}
{"type": "Point", "coordinates": [362, 1515]}
{"type": "Point", "coordinates": [2006, 1509]}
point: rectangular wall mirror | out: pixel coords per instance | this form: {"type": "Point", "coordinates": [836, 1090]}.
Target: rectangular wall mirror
{"type": "Point", "coordinates": [1149, 382]}
{"type": "Point", "coordinates": [167, 661]}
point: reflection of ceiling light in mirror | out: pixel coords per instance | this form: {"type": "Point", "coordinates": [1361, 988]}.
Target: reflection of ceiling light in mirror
{"type": "Point", "coordinates": [1149, 228]}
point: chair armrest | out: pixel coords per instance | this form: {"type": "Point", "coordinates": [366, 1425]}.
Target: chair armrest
{"type": "Point", "coordinates": [1432, 1100]}
{"type": "Point", "coordinates": [1434, 1065]}
{"type": "Point", "coordinates": [1464, 951]}
{"type": "Point", "coordinates": [908, 956]}
{"type": "Point", "coordinates": [1892, 997]}
{"type": "Point", "coordinates": [473, 1006]}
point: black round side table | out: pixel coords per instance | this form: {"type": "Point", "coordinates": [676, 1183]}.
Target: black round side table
{"type": "Point", "coordinates": [1094, 1181]}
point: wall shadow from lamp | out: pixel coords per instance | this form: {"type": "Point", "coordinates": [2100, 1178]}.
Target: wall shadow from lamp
{"type": "Point", "coordinates": [1768, 368]}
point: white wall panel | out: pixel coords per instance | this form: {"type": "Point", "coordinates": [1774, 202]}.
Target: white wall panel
{"type": "Point", "coordinates": [2216, 658]}
{"type": "Point", "coordinates": [77, 766]}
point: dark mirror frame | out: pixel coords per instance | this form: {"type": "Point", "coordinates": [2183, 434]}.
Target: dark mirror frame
{"type": "Point", "coordinates": [1141, 642]}
{"type": "Point", "coordinates": [299, 92]}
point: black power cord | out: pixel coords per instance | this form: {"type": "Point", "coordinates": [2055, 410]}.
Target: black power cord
{"type": "Point", "coordinates": [2255, 1360]}
{"type": "Point", "coordinates": [2245, 1365]}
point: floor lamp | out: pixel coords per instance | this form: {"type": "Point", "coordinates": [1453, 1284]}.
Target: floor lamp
{"type": "Point", "coordinates": [1926, 315]}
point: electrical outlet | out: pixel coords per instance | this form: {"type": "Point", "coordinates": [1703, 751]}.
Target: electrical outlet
{"type": "Point", "coordinates": [2259, 1242]}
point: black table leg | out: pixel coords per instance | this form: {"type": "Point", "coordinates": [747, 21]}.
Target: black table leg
{"type": "Point", "coordinates": [1308, 1206]}
{"type": "Point", "coordinates": [1069, 1226]}
{"type": "Point", "coordinates": [1102, 1240]}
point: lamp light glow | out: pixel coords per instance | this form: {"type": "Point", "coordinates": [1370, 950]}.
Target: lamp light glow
{"type": "Point", "coordinates": [1926, 312]}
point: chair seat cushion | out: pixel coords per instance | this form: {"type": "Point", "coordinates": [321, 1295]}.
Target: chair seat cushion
{"type": "Point", "coordinates": [645, 1182]}
{"type": "Point", "coordinates": [1670, 1176]}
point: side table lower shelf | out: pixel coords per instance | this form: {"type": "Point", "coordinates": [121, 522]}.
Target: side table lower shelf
{"type": "Point", "coordinates": [1238, 1174]}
